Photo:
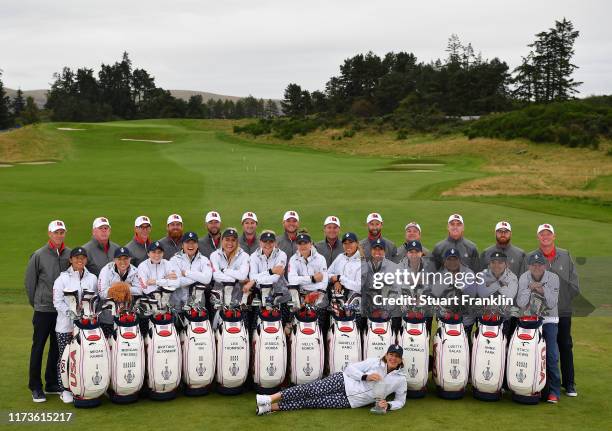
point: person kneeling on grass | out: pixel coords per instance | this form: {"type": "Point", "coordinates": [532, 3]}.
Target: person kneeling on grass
{"type": "Point", "coordinates": [352, 388]}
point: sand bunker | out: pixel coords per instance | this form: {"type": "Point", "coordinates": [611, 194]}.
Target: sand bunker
{"type": "Point", "coordinates": [406, 171]}
{"type": "Point", "coordinates": [42, 162]}
{"type": "Point", "coordinates": [146, 140]}
{"type": "Point", "coordinates": [4, 165]}
{"type": "Point", "coordinates": [70, 129]}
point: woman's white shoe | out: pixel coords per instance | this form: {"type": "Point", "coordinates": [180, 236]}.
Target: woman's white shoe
{"type": "Point", "coordinates": [264, 409]}
{"type": "Point", "coordinates": [66, 397]}
{"type": "Point", "coordinates": [262, 400]}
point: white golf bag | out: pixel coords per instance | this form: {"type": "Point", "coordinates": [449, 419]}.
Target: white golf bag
{"type": "Point", "coordinates": [451, 357]}
{"type": "Point", "coordinates": [488, 358]}
{"type": "Point", "coordinates": [378, 335]}
{"type": "Point", "coordinates": [269, 346]}
{"type": "Point", "coordinates": [414, 339]}
{"type": "Point", "coordinates": [343, 336]}
{"type": "Point", "coordinates": [307, 348]}
{"type": "Point", "coordinates": [198, 345]}
{"type": "Point", "coordinates": [85, 362]}
{"type": "Point", "coordinates": [127, 356]}
{"type": "Point", "coordinates": [526, 365]}
{"type": "Point", "coordinates": [232, 346]}
{"type": "Point", "coordinates": [164, 356]}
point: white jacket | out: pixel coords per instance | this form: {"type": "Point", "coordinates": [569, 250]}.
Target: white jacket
{"type": "Point", "coordinates": [197, 270]}
{"type": "Point", "coordinates": [158, 272]}
{"type": "Point", "coordinates": [349, 270]}
{"type": "Point", "coordinates": [109, 276]}
{"type": "Point", "coordinates": [260, 267]}
{"type": "Point", "coordinates": [301, 270]}
{"type": "Point", "coordinates": [70, 280]}
{"type": "Point", "coordinates": [230, 272]}
{"type": "Point", "coordinates": [360, 392]}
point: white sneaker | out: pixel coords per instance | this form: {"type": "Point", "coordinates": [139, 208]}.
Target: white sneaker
{"type": "Point", "coordinates": [264, 409]}
{"type": "Point", "coordinates": [66, 397]}
{"type": "Point", "coordinates": [263, 400]}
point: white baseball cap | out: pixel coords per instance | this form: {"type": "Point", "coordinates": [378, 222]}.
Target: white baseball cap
{"type": "Point", "coordinates": [291, 214]}
{"type": "Point", "coordinates": [56, 225]}
{"type": "Point", "coordinates": [455, 217]}
{"type": "Point", "coordinates": [333, 220]}
{"type": "Point", "coordinates": [374, 216]}
{"type": "Point", "coordinates": [413, 224]}
{"type": "Point", "coordinates": [546, 226]}
{"type": "Point", "coordinates": [140, 220]}
{"type": "Point", "coordinates": [212, 216]}
{"type": "Point", "coordinates": [250, 215]}
{"type": "Point", "coordinates": [174, 217]}
{"type": "Point", "coordinates": [503, 225]}
{"type": "Point", "coordinates": [101, 221]}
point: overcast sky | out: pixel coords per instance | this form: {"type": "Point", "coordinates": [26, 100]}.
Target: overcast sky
{"type": "Point", "coordinates": [257, 47]}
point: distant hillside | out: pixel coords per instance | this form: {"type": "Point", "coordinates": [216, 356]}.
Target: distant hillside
{"type": "Point", "coordinates": [40, 96]}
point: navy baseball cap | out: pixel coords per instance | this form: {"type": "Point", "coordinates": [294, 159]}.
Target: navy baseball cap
{"type": "Point", "coordinates": [229, 232]}
{"type": "Point", "coordinates": [122, 251]}
{"type": "Point", "coordinates": [303, 237]}
{"type": "Point", "coordinates": [79, 251]}
{"type": "Point", "coordinates": [451, 252]}
{"type": "Point", "coordinates": [267, 236]}
{"type": "Point", "coordinates": [396, 348]}
{"type": "Point", "coordinates": [349, 236]}
{"type": "Point", "coordinates": [537, 259]}
{"type": "Point", "coordinates": [378, 243]}
{"type": "Point", "coordinates": [190, 236]}
{"type": "Point", "coordinates": [154, 246]}
{"type": "Point", "coordinates": [498, 255]}
{"type": "Point", "coordinates": [414, 245]}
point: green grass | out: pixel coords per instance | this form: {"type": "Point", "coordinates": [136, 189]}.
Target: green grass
{"type": "Point", "coordinates": [206, 167]}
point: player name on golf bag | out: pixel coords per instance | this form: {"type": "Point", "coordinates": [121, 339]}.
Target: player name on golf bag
{"type": "Point", "coordinates": [85, 362]}
{"type": "Point", "coordinates": [163, 357]}
{"type": "Point", "coordinates": [307, 349]}
{"type": "Point", "coordinates": [414, 339]}
{"type": "Point", "coordinates": [526, 365]}
{"type": "Point", "coordinates": [378, 337]}
{"type": "Point", "coordinates": [451, 357]}
{"type": "Point", "coordinates": [199, 351]}
{"type": "Point", "coordinates": [232, 351]}
{"type": "Point", "coordinates": [488, 358]}
{"type": "Point", "coordinates": [127, 358]}
{"type": "Point", "coordinates": [269, 351]}
{"type": "Point", "coordinates": [343, 339]}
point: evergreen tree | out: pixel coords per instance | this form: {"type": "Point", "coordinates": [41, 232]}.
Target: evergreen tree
{"type": "Point", "coordinates": [18, 103]}
{"type": "Point", "coordinates": [6, 120]}
{"type": "Point", "coordinates": [271, 109]}
{"type": "Point", "coordinates": [30, 112]}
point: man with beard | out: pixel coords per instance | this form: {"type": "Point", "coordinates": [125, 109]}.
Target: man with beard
{"type": "Point", "coordinates": [375, 225]}
{"type": "Point", "coordinates": [173, 242]}
{"type": "Point", "coordinates": [514, 255]}
{"type": "Point", "coordinates": [330, 247]}
{"type": "Point", "coordinates": [100, 249]}
{"type": "Point", "coordinates": [560, 262]}
{"type": "Point", "coordinates": [212, 241]}
{"type": "Point", "coordinates": [248, 240]}
{"type": "Point", "coordinates": [287, 242]}
{"type": "Point", "coordinates": [413, 233]}
{"type": "Point", "coordinates": [467, 250]}
{"type": "Point", "coordinates": [138, 245]}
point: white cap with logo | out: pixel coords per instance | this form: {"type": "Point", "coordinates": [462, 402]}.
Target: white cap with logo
{"type": "Point", "coordinates": [140, 220]}
{"type": "Point", "coordinates": [212, 216]}
{"type": "Point", "coordinates": [174, 218]}
{"type": "Point", "coordinates": [56, 225]}
{"type": "Point", "coordinates": [413, 224]}
{"type": "Point", "coordinates": [331, 220]}
{"type": "Point", "coordinates": [503, 225]}
{"type": "Point", "coordinates": [374, 216]}
{"type": "Point", "coordinates": [456, 217]}
{"type": "Point", "coordinates": [101, 221]}
{"type": "Point", "coordinates": [291, 214]}
{"type": "Point", "coordinates": [546, 226]}
{"type": "Point", "coordinates": [248, 215]}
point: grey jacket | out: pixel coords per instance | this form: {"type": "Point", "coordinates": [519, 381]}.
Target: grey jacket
{"type": "Point", "coordinates": [97, 257]}
{"type": "Point", "coordinates": [250, 249]}
{"type": "Point", "coordinates": [387, 290]}
{"type": "Point", "coordinates": [286, 245]}
{"type": "Point", "coordinates": [390, 249]}
{"type": "Point", "coordinates": [329, 253]}
{"type": "Point", "coordinates": [138, 250]}
{"type": "Point", "coordinates": [516, 256]}
{"type": "Point", "coordinates": [170, 247]}
{"type": "Point", "coordinates": [206, 245]}
{"type": "Point", "coordinates": [569, 286]}
{"type": "Point", "coordinates": [550, 282]}
{"type": "Point", "coordinates": [467, 250]}
{"type": "Point", "coordinates": [402, 250]}
{"type": "Point", "coordinates": [44, 266]}
{"type": "Point", "coordinates": [506, 285]}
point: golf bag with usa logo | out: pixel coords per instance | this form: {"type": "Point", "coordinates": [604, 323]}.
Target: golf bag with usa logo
{"type": "Point", "coordinates": [488, 358]}
{"type": "Point", "coordinates": [378, 335]}
{"type": "Point", "coordinates": [269, 344]}
{"type": "Point", "coordinates": [198, 344]}
{"type": "Point", "coordinates": [526, 365]}
{"type": "Point", "coordinates": [85, 363]}
{"type": "Point", "coordinates": [451, 354]}
{"type": "Point", "coordinates": [343, 336]}
{"type": "Point", "coordinates": [414, 339]}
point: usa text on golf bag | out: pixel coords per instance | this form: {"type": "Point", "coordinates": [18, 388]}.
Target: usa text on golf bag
{"type": "Point", "coordinates": [378, 336]}
{"type": "Point", "coordinates": [343, 336]}
{"type": "Point", "coordinates": [488, 358]}
{"type": "Point", "coordinates": [451, 356]}
{"type": "Point", "coordinates": [414, 338]}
